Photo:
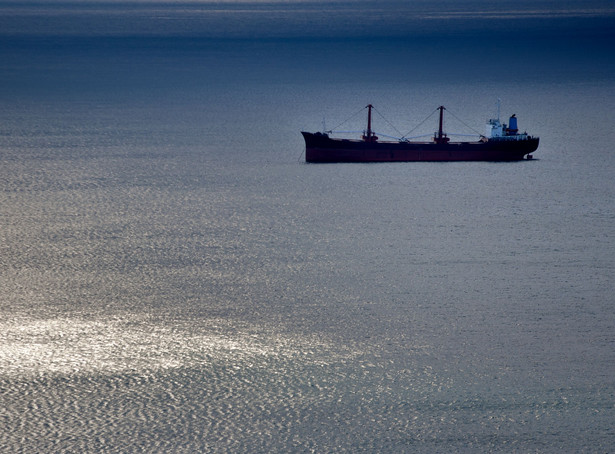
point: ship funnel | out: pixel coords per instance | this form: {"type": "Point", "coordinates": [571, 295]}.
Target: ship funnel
{"type": "Point", "coordinates": [512, 124]}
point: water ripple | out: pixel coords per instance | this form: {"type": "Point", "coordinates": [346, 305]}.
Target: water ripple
{"type": "Point", "coordinates": [64, 345]}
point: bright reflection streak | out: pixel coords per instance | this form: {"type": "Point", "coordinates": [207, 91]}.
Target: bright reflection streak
{"type": "Point", "coordinates": [66, 345]}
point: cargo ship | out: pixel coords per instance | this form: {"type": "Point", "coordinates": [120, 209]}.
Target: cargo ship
{"type": "Point", "coordinates": [501, 142]}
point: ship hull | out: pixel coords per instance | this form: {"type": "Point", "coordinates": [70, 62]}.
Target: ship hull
{"type": "Point", "coordinates": [321, 148]}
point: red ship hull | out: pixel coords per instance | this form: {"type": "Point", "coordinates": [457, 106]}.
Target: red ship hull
{"type": "Point", "coordinates": [321, 148]}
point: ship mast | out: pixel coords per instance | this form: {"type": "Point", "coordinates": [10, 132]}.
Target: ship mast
{"type": "Point", "coordinates": [369, 135]}
{"type": "Point", "coordinates": [441, 137]}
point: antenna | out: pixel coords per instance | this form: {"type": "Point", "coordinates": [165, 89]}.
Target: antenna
{"type": "Point", "coordinates": [498, 104]}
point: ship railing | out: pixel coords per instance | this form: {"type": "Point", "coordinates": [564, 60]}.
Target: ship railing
{"type": "Point", "coordinates": [379, 134]}
{"type": "Point", "coordinates": [407, 139]}
{"type": "Point", "coordinates": [466, 135]}
{"type": "Point", "coordinates": [344, 132]}
{"type": "Point", "coordinates": [387, 136]}
{"type": "Point", "coordinates": [516, 137]}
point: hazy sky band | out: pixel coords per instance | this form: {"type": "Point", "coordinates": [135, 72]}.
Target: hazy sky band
{"type": "Point", "coordinates": [278, 19]}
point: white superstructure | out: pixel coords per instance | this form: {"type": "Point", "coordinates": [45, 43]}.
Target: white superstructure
{"type": "Point", "coordinates": [497, 130]}
{"type": "Point", "coordinates": [494, 128]}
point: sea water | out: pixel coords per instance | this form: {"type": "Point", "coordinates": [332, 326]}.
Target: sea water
{"type": "Point", "coordinates": [175, 278]}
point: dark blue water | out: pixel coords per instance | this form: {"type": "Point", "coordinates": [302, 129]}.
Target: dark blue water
{"type": "Point", "coordinates": [174, 278]}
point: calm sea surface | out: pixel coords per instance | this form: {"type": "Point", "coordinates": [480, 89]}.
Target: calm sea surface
{"type": "Point", "coordinates": [175, 278]}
